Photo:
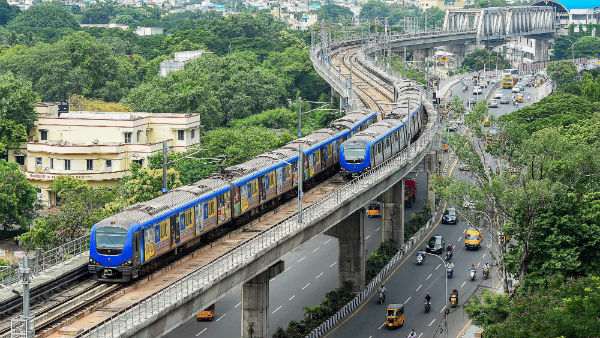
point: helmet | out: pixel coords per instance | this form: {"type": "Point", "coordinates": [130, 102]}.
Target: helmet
{"type": "Point", "coordinates": [428, 293]}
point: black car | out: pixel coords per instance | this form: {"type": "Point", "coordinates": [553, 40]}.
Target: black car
{"type": "Point", "coordinates": [436, 244]}
{"type": "Point", "coordinates": [450, 216]}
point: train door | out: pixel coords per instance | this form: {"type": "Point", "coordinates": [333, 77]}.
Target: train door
{"type": "Point", "coordinates": [175, 231]}
{"type": "Point", "coordinates": [262, 190]}
{"type": "Point", "coordinates": [136, 248]}
{"type": "Point", "coordinates": [324, 157]}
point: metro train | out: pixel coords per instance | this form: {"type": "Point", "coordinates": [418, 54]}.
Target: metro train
{"type": "Point", "coordinates": [128, 243]}
{"type": "Point", "coordinates": [385, 138]}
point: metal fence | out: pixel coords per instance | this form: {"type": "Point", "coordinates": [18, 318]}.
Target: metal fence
{"type": "Point", "coordinates": [45, 259]}
{"type": "Point", "coordinates": [196, 281]}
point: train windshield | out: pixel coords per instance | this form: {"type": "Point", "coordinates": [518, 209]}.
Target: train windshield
{"type": "Point", "coordinates": [110, 237]}
{"type": "Point", "coordinates": [354, 152]}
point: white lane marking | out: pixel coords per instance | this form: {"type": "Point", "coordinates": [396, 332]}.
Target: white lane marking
{"type": "Point", "coordinates": [454, 246]}
{"type": "Point", "coordinates": [489, 245]}
{"type": "Point", "coordinates": [289, 267]}
{"type": "Point", "coordinates": [319, 275]}
{"type": "Point", "coordinates": [367, 237]}
{"type": "Point", "coordinates": [377, 229]}
{"type": "Point", "coordinates": [420, 335]}
{"type": "Point", "coordinates": [443, 309]}
{"type": "Point", "coordinates": [431, 322]}
{"type": "Point", "coordinates": [327, 241]}
{"type": "Point", "coordinates": [315, 250]}
{"type": "Point", "coordinates": [381, 326]}
{"type": "Point", "coordinates": [292, 297]}
{"type": "Point", "coordinates": [459, 238]}
{"type": "Point", "coordinates": [332, 264]}
{"type": "Point", "coordinates": [484, 255]}
{"type": "Point", "coordinates": [238, 304]}
{"type": "Point", "coordinates": [305, 286]}
{"type": "Point", "coordinates": [417, 174]}
{"type": "Point", "coordinates": [406, 301]}
{"type": "Point", "coordinates": [301, 259]}
{"type": "Point", "coordinates": [479, 263]}
{"type": "Point", "coordinates": [438, 266]}
{"type": "Point", "coordinates": [463, 284]}
{"type": "Point", "coordinates": [201, 332]}
{"type": "Point", "coordinates": [419, 287]}
{"type": "Point", "coordinates": [277, 309]}
{"type": "Point", "coordinates": [221, 317]}
{"type": "Point", "coordinates": [428, 277]}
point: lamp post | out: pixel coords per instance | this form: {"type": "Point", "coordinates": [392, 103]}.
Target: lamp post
{"type": "Point", "coordinates": [445, 273]}
{"type": "Point", "coordinates": [25, 325]}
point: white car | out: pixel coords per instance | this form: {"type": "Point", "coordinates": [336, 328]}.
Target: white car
{"type": "Point", "coordinates": [498, 95]}
{"type": "Point", "coordinates": [493, 103]}
{"type": "Point", "coordinates": [516, 89]}
{"type": "Point", "coordinates": [477, 90]}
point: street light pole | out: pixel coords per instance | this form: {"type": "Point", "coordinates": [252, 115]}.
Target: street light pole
{"type": "Point", "coordinates": [164, 167]}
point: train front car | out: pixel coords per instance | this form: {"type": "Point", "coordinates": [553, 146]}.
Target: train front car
{"type": "Point", "coordinates": [111, 250]}
{"type": "Point", "coordinates": [355, 155]}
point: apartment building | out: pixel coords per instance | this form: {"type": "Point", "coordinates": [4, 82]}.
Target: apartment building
{"type": "Point", "coordinates": [98, 147]}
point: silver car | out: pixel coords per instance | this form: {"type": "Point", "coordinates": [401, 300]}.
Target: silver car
{"type": "Point", "coordinates": [498, 95]}
{"type": "Point", "coordinates": [493, 103]}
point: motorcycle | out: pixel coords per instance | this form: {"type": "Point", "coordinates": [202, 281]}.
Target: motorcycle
{"type": "Point", "coordinates": [419, 259]}
{"type": "Point", "coordinates": [450, 272]}
{"type": "Point", "coordinates": [427, 306]}
{"type": "Point", "coordinates": [472, 275]}
{"type": "Point", "coordinates": [448, 255]}
{"type": "Point", "coordinates": [453, 300]}
{"type": "Point", "coordinates": [486, 273]}
{"type": "Point", "coordinates": [381, 297]}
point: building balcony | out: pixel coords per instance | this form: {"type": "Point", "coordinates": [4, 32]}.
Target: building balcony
{"type": "Point", "coordinates": [66, 148]}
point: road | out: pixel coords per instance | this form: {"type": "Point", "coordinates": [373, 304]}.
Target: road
{"type": "Point", "coordinates": [310, 272]}
{"type": "Point", "coordinates": [410, 282]}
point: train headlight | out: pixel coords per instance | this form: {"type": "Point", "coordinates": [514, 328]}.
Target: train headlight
{"type": "Point", "coordinates": [92, 261]}
{"type": "Point", "coordinates": [128, 262]}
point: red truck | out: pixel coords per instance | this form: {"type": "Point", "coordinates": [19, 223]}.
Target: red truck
{"type": "Point", "coordinates": [410, 192]}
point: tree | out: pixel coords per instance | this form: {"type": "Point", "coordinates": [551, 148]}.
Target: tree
{"type": "Point", "coordinates": [476, 60]}
{"type": "Point", "coordinates": [489, 3]}
{"type": "Point", "coordinates": [45, 16]}
{"type": "Point", "coordinates": [587, 46]}
{"type": "Point", "coordinates": [334, 13]}
{"type": "Point", "coordinates": [373, 9]}
{"type": "Point", "coordinates": [11, 136]}
{"type": "Point", "coordinates": [7, 12]}
{"type": "Point", "coordinates": [561, 308]}
{"type": "Point", "coordinates": [19, 202]}
{"type": "Point", "coordinates": [17, 101]}
{"type": "Point", "coordinates": [562, 72]}
{"type": "Point", "coordinates": [81, 206]}
{"type": "Point", "coordinates": [95, 15]}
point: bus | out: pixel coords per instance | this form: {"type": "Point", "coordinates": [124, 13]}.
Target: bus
{"type": "Point", "coordinates": [508, 81]}
{"type": "Point", "coordinates": [512, 72]}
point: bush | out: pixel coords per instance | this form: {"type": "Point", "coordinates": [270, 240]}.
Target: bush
{"type": "Point", "coordinates": [417, 221]}
{"type": "Point", "coordinates": [379, 258]}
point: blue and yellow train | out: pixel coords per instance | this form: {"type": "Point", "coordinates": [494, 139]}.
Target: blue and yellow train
{"type": "Point", "coordinates": [126, 244]}
{"type": "Point", "coordinates": [385, 138]}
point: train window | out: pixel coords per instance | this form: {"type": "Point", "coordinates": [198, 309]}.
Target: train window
{"type": "Point", "coordinates": [110, 237]}
{"type": "Point", "coordinates": [211, 207]}
{"type": "Point", "coordinates": [164, 230]}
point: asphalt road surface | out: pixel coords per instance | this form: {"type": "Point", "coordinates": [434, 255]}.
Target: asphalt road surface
{"type": "Point", "coordinates": [310, 272]}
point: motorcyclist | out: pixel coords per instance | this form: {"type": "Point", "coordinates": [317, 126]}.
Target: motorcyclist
{"type": "Point", "coordinates": [420, 253]}
{"type": "Point", "coordinates": [382, 290]}
{"type": "Point", "coordinates": [450, 265]}
{"type": "Point", "coordinates": [528, 97]}
{"type": "Point", "coordinates": [428, 298]}
{"type": "Point", "coordinates": [486, 267]}
{"type": "Point", "coordinates": [412, 334]}
{"type": "Point", "coordinates": [473, 268]}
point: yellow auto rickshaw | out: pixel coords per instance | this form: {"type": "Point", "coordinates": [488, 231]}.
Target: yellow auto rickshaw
{"type": "Point", "coordinates": [520, 98]}
{"type": "Point", "coordinates": [454, 299]}
{"type": "Point", "coordinates": [395, 315]}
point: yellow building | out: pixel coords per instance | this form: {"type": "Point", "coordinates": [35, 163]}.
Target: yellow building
{"type": "Point", "coordinates": [98, 147]}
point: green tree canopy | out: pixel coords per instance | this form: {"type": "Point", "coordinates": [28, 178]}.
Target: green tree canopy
{"type": "Point", "coordinates": [18, 202]}
{"type": "Point", "coordinates": [45, 16]}
{"type": "Point", "coordinates": [587, 46]}
{"type": "Point", "coordinates": [334, 13]}
{"type": "Point", "coordinates": [476, 60]}
{"type": "Point", "coordinates": [80, 208]}
{"type": "Point", "coordinates": [17, 101]}
{"type": "Point", "coordinates": [562, 72]}
{"type": "Point", "coordinates": [96, 15]}
{"type": "Point", "coordinates": [561, 308]}
{"type": "Point", "coordinates": [7, 12]}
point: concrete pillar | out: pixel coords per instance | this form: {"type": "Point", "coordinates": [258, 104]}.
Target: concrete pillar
{"type": "Point", "coordinates": [541, 50]}
{"type": "Point", "coordinates": [255, 303]}
{"type": "Point", "coordinates": [392, 220]}
{"type": "Point", "coordinates": [350, 233]}
{"type": "Point", "coordinates": [419, 58]}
